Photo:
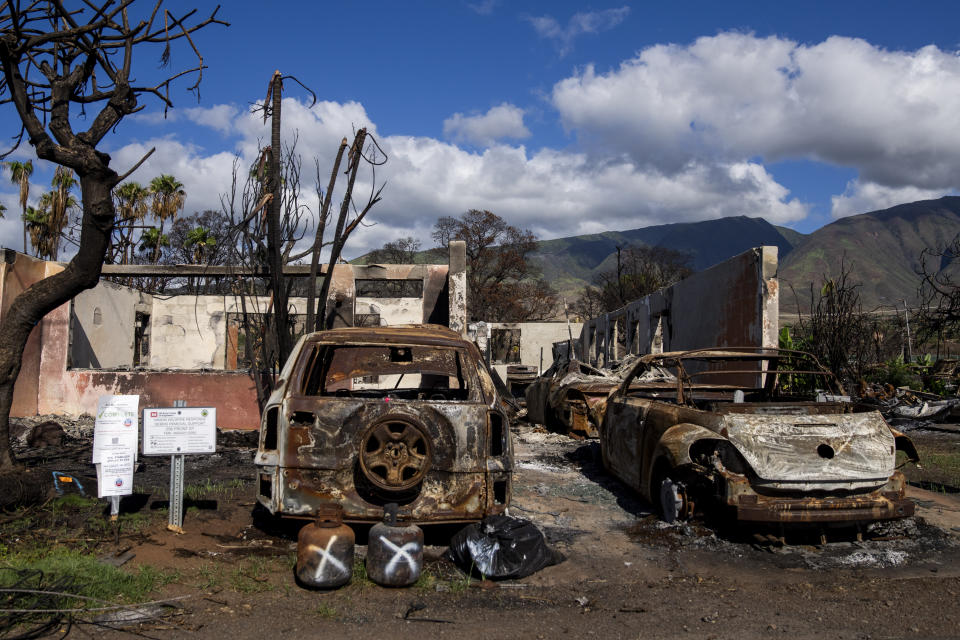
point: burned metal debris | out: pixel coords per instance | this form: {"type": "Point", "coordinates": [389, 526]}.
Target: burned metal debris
{"type": "Point", "coordinates": [905, 408]}
{"type": "Point", "coordinates": [363, 417]}
{"type": "Point", "coordinates": [762, 434]}
{"type": "Point", "coordinates": [570, 397]}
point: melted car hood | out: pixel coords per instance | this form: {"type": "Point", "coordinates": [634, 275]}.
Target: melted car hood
{"type": "Point", "coordinates": [816, 448]}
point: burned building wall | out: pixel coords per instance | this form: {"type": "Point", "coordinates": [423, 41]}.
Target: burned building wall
{"type": "Point", "coordinates": [185, 334]}
{"type": "Point", "coordinates": [732, 304]}
{"type": "Point", "coordinates": [103, 326]}
{"type": "Point", "coordinates": [526, 343]}
{"type": "Point", "coordinates": [17, 272]}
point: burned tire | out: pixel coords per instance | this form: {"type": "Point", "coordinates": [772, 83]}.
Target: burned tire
{"type": "Point", "coordinates": [395, 453]}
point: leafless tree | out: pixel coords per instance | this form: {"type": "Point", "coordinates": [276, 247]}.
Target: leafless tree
{"type": "Point", "coordinates": [835, 328]}
{"type": "Point", "coordinates": [504, 286]}
{"type": "Point", "coordinates": [61, 59]}
{"type": "Point", "coordinates": [938, 318]}
{"type": "Point", "coordinates": [266, 331]}
{"type": "Point", "coordinates": [402, 251]}
{"type": "Point", "coordinates": [639, 271]}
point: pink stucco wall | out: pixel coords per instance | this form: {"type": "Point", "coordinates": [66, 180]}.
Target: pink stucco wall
{"type": "Point", "coordinates": [46, 386]}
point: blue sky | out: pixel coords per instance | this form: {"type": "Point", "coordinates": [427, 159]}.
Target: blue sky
{"type": "Point", "coordinates": [569, 118]}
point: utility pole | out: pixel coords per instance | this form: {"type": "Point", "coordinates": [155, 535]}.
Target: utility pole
{"type": "Point", "coordinates": [274, 185]}
{"type": "Point", "coordinates": [906, 318]}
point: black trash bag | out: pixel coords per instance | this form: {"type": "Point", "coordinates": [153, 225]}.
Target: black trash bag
{"type": "Point", "coordinates": [502, 547]}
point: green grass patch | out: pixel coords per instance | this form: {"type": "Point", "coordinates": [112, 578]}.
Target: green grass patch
{"type": "Point", "coordinates": [326, 611]}
{"type": "Point", "coordinates": [209, 577]}
{"type": "Point", "coordinates": [210, 489]}
{"type": "Point", "coordinates": [78, 573]}
{"type": "Point", "coordinates": [939, 465]}
{"type": "Point", "coordinates": [251, 577]}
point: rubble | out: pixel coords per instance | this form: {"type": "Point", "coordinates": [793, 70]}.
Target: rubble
{"type": "Point", "coordinates": [905, 408]}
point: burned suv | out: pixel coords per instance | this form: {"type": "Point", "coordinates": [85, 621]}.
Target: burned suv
{"type": "Point", "coordinates": [762, 435]}
{"type": "Point", "coordinates": [362, 417]}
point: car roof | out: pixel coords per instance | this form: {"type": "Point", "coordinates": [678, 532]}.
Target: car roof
{"type": "Point", "coordinates": [425, 334]}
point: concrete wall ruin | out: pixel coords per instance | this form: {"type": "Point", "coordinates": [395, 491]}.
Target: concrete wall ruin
{"type": "Point", "coordinates": [186, 334]}
{"type": "Point", "coordinates": [531, 341]}
{"type": "Point", "coordinates": [102, 323]}
{"type": "Point", "coordinates": [732, 304]}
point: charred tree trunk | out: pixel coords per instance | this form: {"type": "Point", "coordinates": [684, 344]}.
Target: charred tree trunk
{"type": "Point", "coordinates": [29, 308]}
{"type": "Point", "coordinates": [314, 322]}
{"type": "Point", "coordinates": [342, 232]}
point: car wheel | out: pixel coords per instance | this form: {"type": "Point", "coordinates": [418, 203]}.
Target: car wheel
{"type": "Point", "coordinates": [395, 453]}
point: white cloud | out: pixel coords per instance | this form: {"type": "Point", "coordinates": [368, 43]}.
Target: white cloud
{"type": "Point", "coordinates": [484, 7]}
{"type": "Point", "coordinates": [592, 22]}
{"type": "Point", "coordinates": [219, 117]}
{"type": "Point", "coordinates": [204, 177]}
{"type": "Point", "coordinates": [502, 121]}
{"type": "Point", "coordinates": [552, 192]}
{"type": "Point", "coordinates": [893, 115]}
{"type": "Point", "coordinates": [860, 197]}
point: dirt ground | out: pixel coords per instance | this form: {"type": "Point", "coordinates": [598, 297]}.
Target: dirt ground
{"type": "Point", "coordinates": [626, 574]}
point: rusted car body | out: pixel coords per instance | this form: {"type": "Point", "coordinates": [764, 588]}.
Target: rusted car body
{"type": "Point", "coordinates": [735, 433]}
{"type": "Point", "coordinates": [571, 396]}
{"type": "Point", "coordinates": [363, 417]}
{"type": "Point", "coordinates": [565, 398]}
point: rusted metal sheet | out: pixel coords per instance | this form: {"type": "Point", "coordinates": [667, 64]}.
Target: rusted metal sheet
{"type": "Point", "coordinates": [367, 416]}
{"type": "Point", "coordinates": [764, 451]}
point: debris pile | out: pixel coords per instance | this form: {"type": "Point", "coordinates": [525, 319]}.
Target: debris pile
{"type": "Point", "coordinates": [907, 409]}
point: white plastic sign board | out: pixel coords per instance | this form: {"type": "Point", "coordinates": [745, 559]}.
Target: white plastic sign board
{"type": "Point", "coordinates": [115, 428]}
{"type": "Point", "coordinates": [170, 431]}
{"type": "Point", "coordinates": [115, 474]}
{"type": "Point", "coordinates": [115, 438]}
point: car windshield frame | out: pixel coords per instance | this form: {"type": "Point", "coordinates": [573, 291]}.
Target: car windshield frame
{"type": "Point", "coordinates": [768, 361]}
{"type": "Point", "coordinates": [430, 363]}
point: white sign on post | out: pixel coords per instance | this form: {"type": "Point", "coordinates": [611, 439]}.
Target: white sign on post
{"type": "Point", "coordinates": [171, 431]}
{"type": "Point", "coordinates": [115, 474]}
{"type": "Point", "coordinates": [115, 439]}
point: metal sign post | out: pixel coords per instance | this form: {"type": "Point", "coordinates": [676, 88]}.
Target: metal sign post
{"type": "Point", "coordinates": [175, 522]}
{"type": "Point", "coordinates": [178, 432]}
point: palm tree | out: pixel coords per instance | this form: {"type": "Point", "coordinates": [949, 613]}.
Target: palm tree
{"type": "Point", "coordinates": [151, 240]}
{"type": "Point", "coordinates": [20, 173]}
{"type": "Point", "coordinates": [62, 202]}
{"type": "Point", "coordinates": [35, 222]}
{"type": "Point", "coordinates": [3, 209]}
{"type": "Point", "coordinates": [201, 239]}
{"type": "Point", "coordinates": [131, 200]}
{"type": "Point", "coordinates": [167, 198]}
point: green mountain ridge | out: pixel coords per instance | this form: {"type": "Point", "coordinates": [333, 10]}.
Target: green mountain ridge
{"type": "Point", "coordinates": [571, 263]}
{"type": "Point", "coordinates": [882, 249]}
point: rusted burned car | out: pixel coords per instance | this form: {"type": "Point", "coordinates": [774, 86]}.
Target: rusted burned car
{"type": "Point", "coordinates": [763, 434]}
{"type": "Point", "coordinates": [362, 417]}
{"type": "Point", "coordinates": [570, 397]}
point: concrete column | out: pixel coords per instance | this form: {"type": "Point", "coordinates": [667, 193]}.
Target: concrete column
{"type": "Point", "coordinates": [458, 286]}
{"type": "Point", "coordinates": [769, 297]}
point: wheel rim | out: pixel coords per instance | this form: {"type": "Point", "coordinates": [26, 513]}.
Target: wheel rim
{"type": "Point", "coordinates": [395, 454]}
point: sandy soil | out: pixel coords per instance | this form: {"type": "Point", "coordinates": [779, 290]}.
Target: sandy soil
{"type": "Point", "coordinates": [626, 574]}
